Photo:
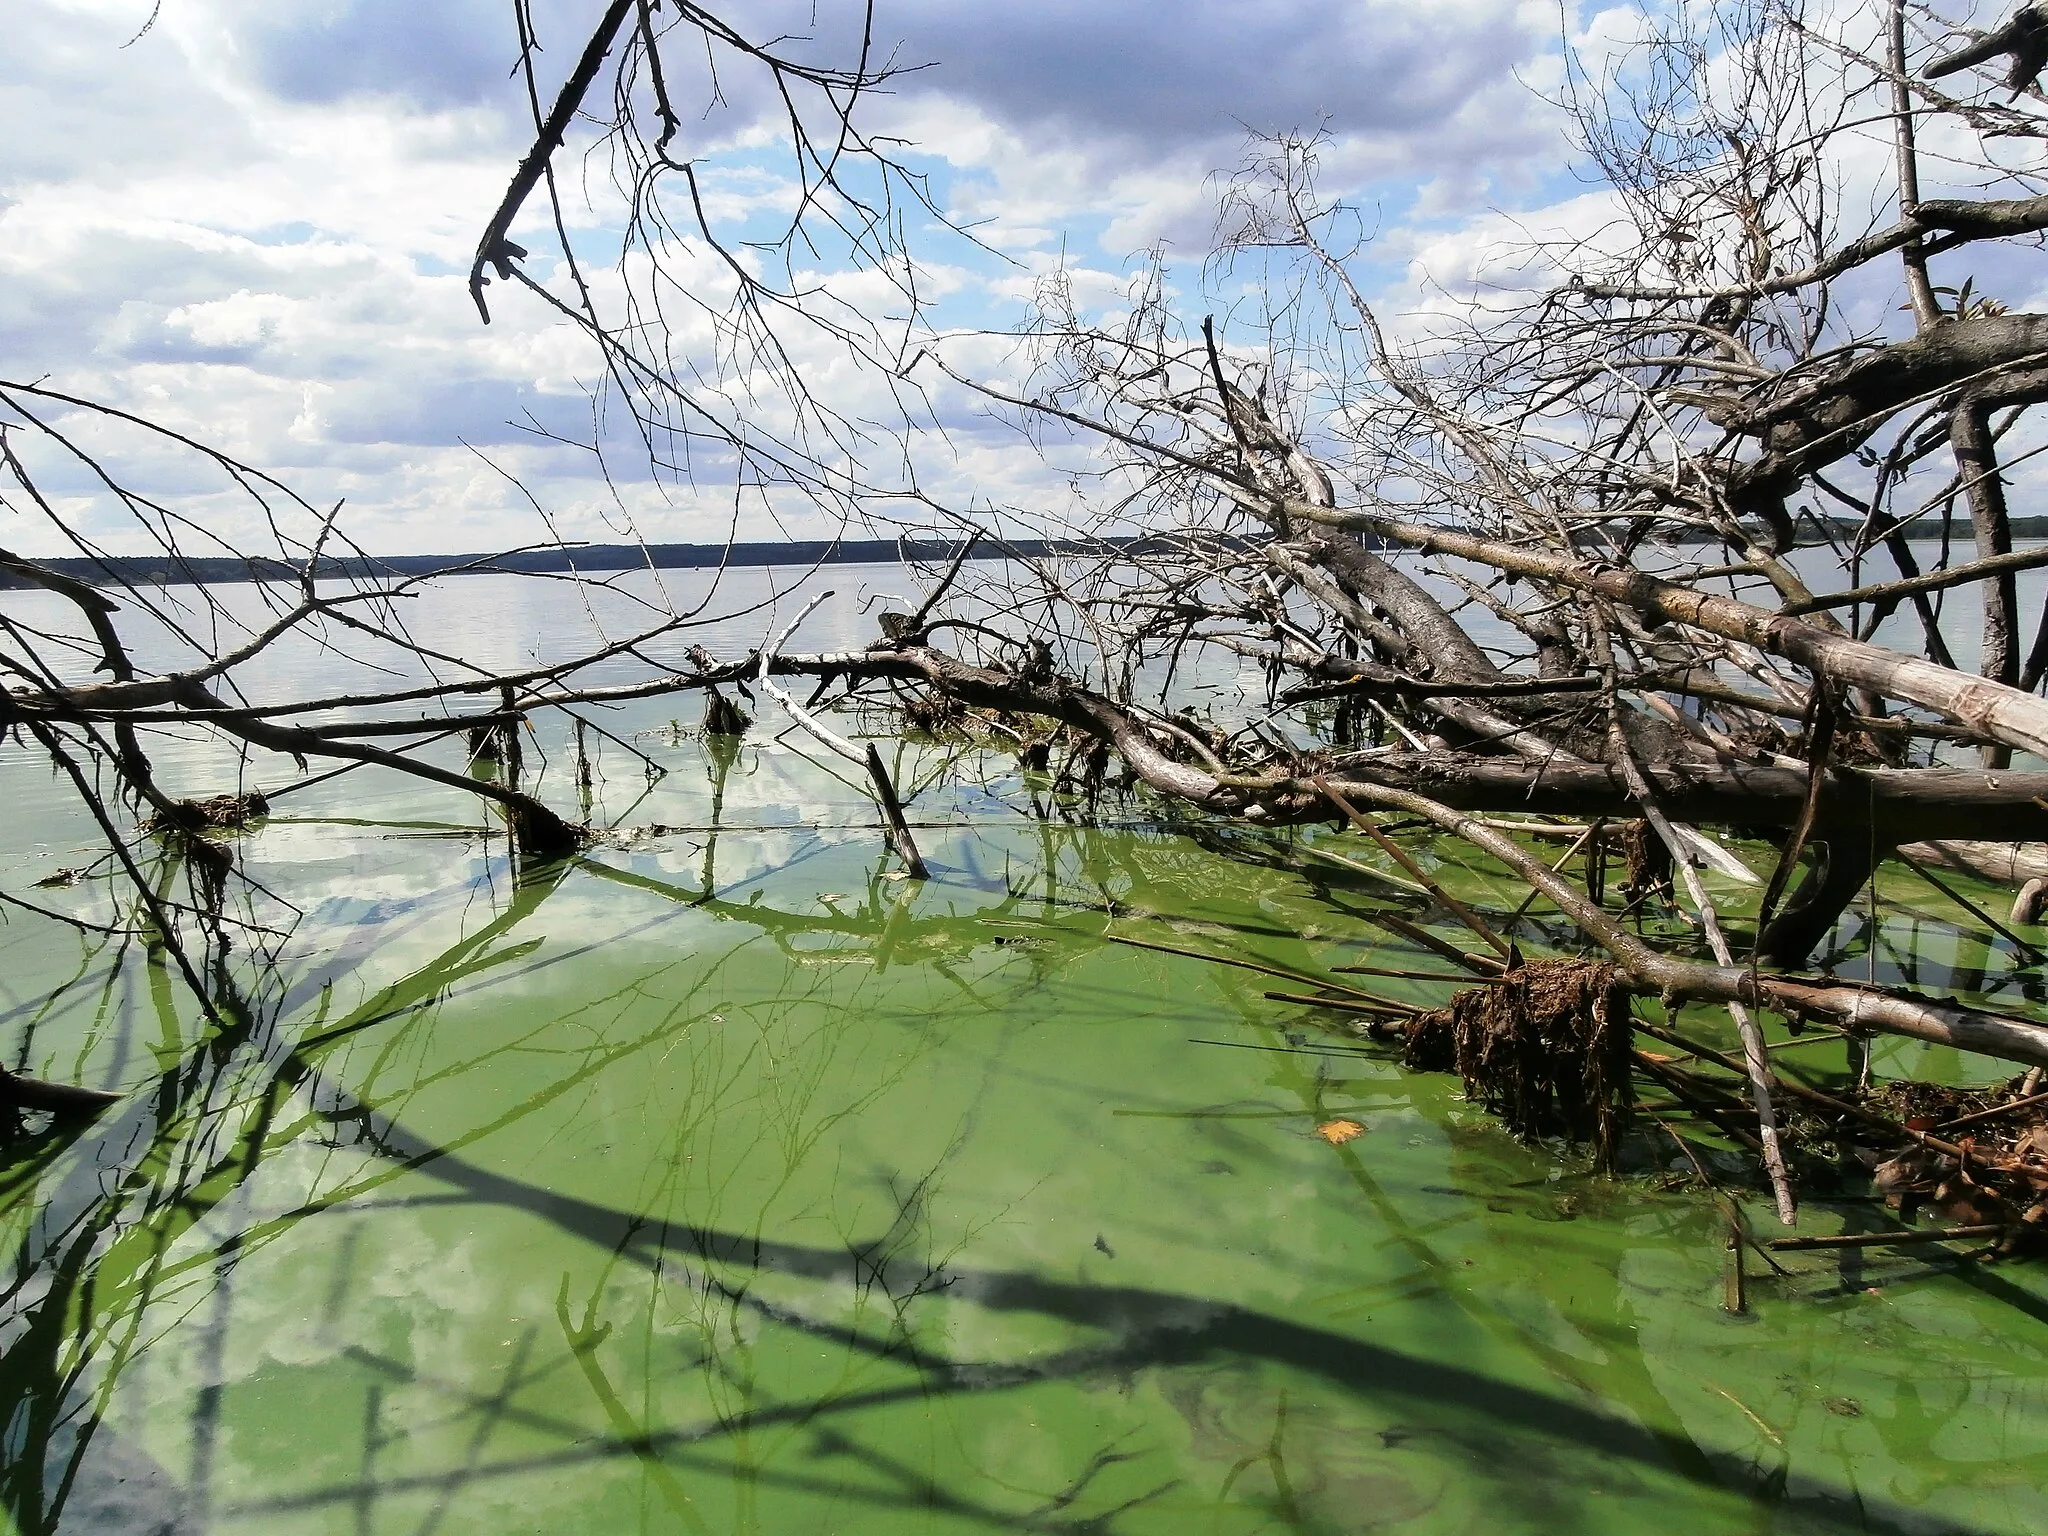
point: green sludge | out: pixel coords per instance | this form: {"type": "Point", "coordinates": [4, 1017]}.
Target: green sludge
{"type": "Point", "coordinates": [736, 1188]}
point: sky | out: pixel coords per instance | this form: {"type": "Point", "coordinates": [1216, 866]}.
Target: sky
{"type": "Point", "coordinates": [252, 221]}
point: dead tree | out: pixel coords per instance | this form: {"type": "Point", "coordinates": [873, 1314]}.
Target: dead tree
{"type": "Point", "coordinates": [1616, 472]}
{"type": "Point", "coordinates": [1613, 471]}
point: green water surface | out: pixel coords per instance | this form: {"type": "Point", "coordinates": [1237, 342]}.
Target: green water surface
{"type": "Point", "coordinates": [716, 1182]}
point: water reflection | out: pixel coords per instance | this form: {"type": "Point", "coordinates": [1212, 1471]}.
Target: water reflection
{"type": "Point", "coordinates": [718, 1182]}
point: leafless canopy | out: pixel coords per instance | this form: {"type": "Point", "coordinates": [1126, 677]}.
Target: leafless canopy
{"type": "Point", "coordinates": [1610, 530]}
{"type": "Point", "coordinates": [720, 295]}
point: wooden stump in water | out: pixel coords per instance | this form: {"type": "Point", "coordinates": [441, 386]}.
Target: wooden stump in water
{"type": "Point", "coordinates": [722, 717]}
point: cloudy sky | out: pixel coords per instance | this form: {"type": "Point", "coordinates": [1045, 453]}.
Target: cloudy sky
{"type": "Point", "coordinates": [253, 220]}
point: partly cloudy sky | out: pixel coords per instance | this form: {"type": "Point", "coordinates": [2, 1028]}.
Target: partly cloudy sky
{"type": "Point", "coordinates": [253, 220]}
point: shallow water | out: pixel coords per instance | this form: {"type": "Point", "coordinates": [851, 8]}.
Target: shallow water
{"type": "Point", "coordinates": [718, 1182]}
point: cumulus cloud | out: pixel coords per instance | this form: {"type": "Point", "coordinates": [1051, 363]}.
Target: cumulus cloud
{"type": "Point", "coordinates": [1134, 77]}
{"type": "Point", "coordinates": [253, 221]}
{"type": "Point", "coordinates": [1112, 117]}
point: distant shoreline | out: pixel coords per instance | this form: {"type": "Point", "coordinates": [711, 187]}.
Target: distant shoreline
{"type": "Point", "coordinates": [214, 570]}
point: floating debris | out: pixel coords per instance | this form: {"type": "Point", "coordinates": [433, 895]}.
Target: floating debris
{"type": "Point", "coordinates": [220, 812]}
{"type": "Point", "coordinates": [1546, 1047]}
{"type": "Point", "coordinates": [722, 717]}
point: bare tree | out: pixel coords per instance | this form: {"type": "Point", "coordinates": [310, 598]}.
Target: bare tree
{"type": "Point", "coordinates": [1615, 471]}
{"type": "Point", "coordinates": [708, 326]}
{"type": "Point", "coordinates": [1531, 554]}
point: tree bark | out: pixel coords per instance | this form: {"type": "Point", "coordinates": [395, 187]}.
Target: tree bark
{"type": "Point", "coordinates": [2000, 712]}
{"type": "Point", "coordinates": [1976, 456]}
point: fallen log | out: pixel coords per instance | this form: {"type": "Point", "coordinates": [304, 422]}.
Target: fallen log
{"type": "Point", "coordinates": [1650, 972]}
{"type": "Point", "coordinates": [2000, 863]}
{"type": "Point", "coordinates": [1998, 711]}
{"type": "Point", "coordinates": [1887, 1239]}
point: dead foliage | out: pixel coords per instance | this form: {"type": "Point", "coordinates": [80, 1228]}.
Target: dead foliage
{"type": "Point", "coordinates": [220, 812]}
{"type": "Point", "coordinates": [2000, 1179]}
{"type": "Point", "coordinates": [1546, 1047]}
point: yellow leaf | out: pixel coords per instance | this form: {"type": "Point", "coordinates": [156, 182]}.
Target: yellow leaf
{"type": "Point", "coordinates": [1337, 1132]}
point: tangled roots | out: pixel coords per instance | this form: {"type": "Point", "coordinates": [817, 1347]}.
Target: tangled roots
{"type": "Point", "coordinates": [1649, 861]}
{"type": "Point", "coordinates": [1546, 1047]}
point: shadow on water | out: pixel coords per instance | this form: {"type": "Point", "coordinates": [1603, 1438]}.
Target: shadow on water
{"type": "Point", "coordinates": [146, 1230]}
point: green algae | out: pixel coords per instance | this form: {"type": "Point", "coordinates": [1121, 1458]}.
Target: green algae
{"type": "Point", "coordinates": [717, 1182]}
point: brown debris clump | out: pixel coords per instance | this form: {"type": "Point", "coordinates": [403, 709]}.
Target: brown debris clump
{"type": "Point", "coordinates": [220, 811]}
{"type": "Point", "coordinates": [1546, 1047]}
{"type": "Point", "coordinates": [1649, 861]}
{"type": "Point", "coordinates": [2002, 1177]}
{"type": "Point", "coordinates": [722, 717]}
{"type": "Point", "coordinates": [1926, 1105]}
{"type": "Point", "coordinates": [936, 713]}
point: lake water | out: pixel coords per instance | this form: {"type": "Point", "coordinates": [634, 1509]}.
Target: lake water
{"type": "Point", "coordinates": [717, 1182]}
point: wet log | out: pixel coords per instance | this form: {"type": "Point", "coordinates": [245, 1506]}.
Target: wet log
{"type": "Point", "coordinates": [1953, 804]}
{"type": "Point", "coordinates": [1843, 865]}
{"type": "Point", "coordinates": [892, 814]}
{"type": "Point", "coordinates": [536, 830]}
{"type": "Point", "coordinates": [2027, 907]}
{"type": "Point", "coordinates": [1885, 1239]}
{"type": "Point", "coordinates": [2000, 863]}
{"type": "Point", "coordinates": [1851, 1007]}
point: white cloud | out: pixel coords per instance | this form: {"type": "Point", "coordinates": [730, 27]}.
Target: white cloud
{"type": "Point", "coordinates": [253, 223]}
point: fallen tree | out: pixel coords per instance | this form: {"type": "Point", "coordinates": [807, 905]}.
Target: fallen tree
{"type": "Point", "coordinates": [1542, 560]}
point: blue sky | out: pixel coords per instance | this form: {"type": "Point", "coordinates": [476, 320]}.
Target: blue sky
{"type": "Point", "coordinates": [253, 220]}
